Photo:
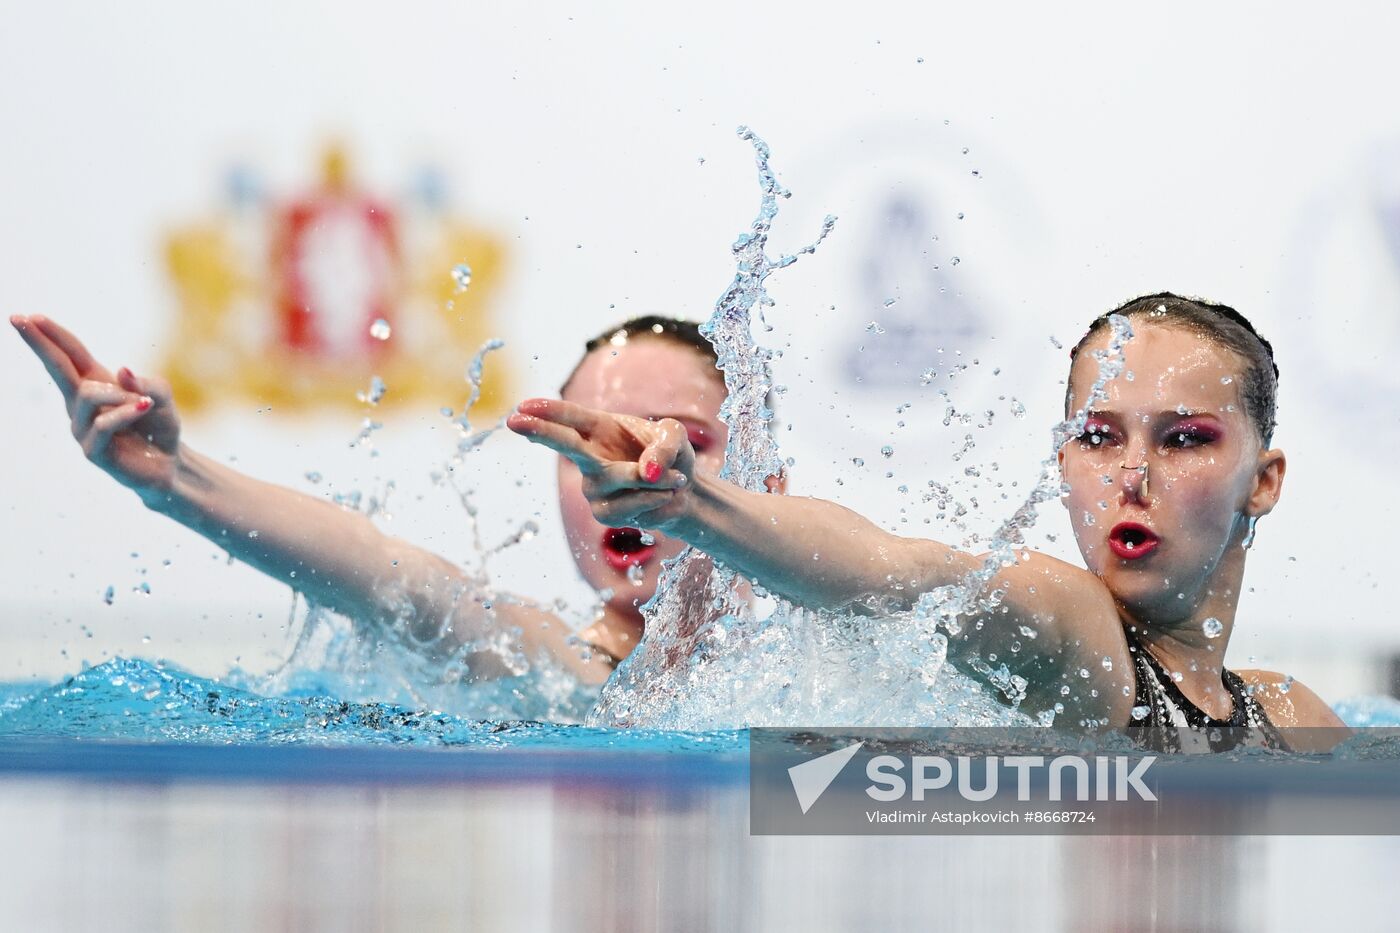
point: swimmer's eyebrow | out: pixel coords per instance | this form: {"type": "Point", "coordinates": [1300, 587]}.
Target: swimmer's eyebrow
{"type": "Point", "coordinates": [1166, 414]}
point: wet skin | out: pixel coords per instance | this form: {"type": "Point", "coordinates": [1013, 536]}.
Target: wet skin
{"type": "Point", "coordinates": [1207, 477]}
{"type": "Point", "coordinates": [648, 378]}
{"type": "Point", "coordinates": [127, 425]}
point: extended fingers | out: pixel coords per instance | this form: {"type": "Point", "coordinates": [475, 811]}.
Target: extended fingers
{"type": "Point", "coordinates": [72, 347]}
{"type": "Point", "coordinates": [583, 420]}
{"type": "Point", "coordinates": [557, 437]}
{"type": "Point", "coordinates": [60, 367]}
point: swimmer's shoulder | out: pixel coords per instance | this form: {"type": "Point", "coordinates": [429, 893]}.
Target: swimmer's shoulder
{"type": "Point", "coordinates": [1077, 601]}
{"type": "Point", "coordinates": [537, 629]}
{"type": "Point", "coordinates": [1287, 702]}
{"type": "Point", "coordinates": [1078, 628]}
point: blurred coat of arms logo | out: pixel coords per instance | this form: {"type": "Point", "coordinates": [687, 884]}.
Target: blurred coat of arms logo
{"type": "Point", "coordinates": [305, 301]}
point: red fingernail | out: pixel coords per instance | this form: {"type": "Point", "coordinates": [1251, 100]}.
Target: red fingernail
{"type": "Point", "coordinates": [652, 472]}
{"type": "Point", "coordinates": [143, 403]}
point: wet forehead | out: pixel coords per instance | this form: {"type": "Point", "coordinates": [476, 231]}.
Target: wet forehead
{"type": "Point", "coordinates": [1171, 367]}
{"type": "Point", "coordinates": [648, 377]}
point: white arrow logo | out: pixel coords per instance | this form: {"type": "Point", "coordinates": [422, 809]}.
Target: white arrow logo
{"type": "Point", "coordinates": [811, 778]}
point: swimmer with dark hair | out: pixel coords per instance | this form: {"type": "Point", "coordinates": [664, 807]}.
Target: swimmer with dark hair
{"type": "Point", "coordinates": [1175, 466]}
{"type": "Point", "coordinates": [651, 370]}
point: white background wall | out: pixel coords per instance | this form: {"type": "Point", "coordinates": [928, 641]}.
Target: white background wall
{"type": "Point", "coordinates": [1245, 152]}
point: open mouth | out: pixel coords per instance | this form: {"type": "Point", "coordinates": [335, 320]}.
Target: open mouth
{"type": "Point", "coordinates": [625, 547]}
{"type": "Point", "coordinates": [1132, 541]}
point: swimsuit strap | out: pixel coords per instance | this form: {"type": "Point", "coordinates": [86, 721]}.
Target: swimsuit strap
{"type": "Point", "coordinates": [1169, 710]}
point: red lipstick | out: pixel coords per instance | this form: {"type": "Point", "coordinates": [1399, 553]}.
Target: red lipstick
{"type": "Point", "coordinates": [623, 548]}
{"type": "Point", "coordinates": [1132, 541]}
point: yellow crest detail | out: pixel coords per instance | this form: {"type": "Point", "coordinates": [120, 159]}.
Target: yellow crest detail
{"type": "Point", "coordinates": [300, 303]}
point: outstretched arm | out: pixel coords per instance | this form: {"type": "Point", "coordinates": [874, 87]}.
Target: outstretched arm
{"type": "Point", "coordinates": [128, 426]}
{"type": "Point", "coordinates": [820, 554]}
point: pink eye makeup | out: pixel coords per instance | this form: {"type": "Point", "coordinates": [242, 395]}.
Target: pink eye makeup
{"type": "Point", "coordinates": [1096, 434]}
{"type": "Point", "coordinates": [1191, 433]}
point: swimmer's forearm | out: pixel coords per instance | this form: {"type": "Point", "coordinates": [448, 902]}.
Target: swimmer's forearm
{"type": "Point", "coordinates": [337, 558]}
{"type": "Point", "coordinates": [811, 551]}
{"type": "Point", "coordinates": [334, 556]}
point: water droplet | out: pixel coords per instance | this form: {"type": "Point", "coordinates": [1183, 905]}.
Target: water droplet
{"type": "Point", "coordinates": [647, 539]}
{"type": "Point", "coordinates": [887, 451]}
{"type": "Point", "coordinates": [1226, 380]}
{"type": "Point", "coordinates": [927, 376]}
{"type": "Point", "coordinates": [380, 330]}
{"type": "Point", "coordinates": [313, 476]}
{"type": "Point", "coordinates": [1107, 663]}
{"type": "Point", "coordinates": [955, 260]}
{"type": "Point", "coordinates": [253, 533]}
{"type": "Point", "coordinates": [1088, 519]}
{"type": "Point", "coordinates": [462, 275]}
{"type": "Point", "coordinates": [1064, 691]}
{"type": "Point", "coordinates": [1084, 673]}
{"type": "Point", "coordinates": [374, 393]}
{"type": "Point", "coordinates": [874, 328]}
{"type": "Point", "coordinates": [1140, 712]}
{"type": "Point", "coordinates": [1017, 409]}
{"type": "Point", "coordinates": [1287, 684]}
{"type": "Point", "coordinates": [858, 461]}
{"type": "Point", "coordinates": [109, 595]}
{"type": "Point", "coordinates": [1212, 627]}
{"type": "Point", "coordinates": [889, 302]}
{"type": "Point", "coordinates": [1056, 344]}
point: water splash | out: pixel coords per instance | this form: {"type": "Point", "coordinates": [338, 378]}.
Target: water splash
{"type": "Point", "coordinates": [149, 700]}
{"type": "Point", "coordinates": [696, 602]}
{"type": "Point", "coordinates": [705, 659]}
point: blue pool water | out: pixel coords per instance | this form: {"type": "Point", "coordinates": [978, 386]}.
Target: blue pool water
{"type": "Point", "coordinates": [133, 699]}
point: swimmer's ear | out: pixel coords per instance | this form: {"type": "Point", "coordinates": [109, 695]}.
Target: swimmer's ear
{"type": "Point", "coordinates": [777, 484]}
{"type": "Point", "coordinates": [1268, 483]}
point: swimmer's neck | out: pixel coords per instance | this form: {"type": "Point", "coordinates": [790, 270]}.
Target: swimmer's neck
{"type": "Point", "coordinates": [1178, 629]}
{"type": "Point", "coordinates": [615, 632]}
{"type": "Point", "coordinates": [1194, 660]}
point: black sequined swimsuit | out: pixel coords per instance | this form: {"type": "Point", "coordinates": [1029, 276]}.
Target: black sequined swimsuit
{"type": "Point", "coordinates": [1180, 725]}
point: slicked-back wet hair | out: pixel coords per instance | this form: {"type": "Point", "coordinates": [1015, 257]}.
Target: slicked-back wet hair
{"type": "Point", "coordinates": [1223, 326]}
{"type": "Point", "coordinates": [649, 327]}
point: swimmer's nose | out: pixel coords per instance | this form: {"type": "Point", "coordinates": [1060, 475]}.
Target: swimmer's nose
{"type": "Point", "coordinates": [1135, 482]}
{"type": "Point", "coordinates": [1135, 475]}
